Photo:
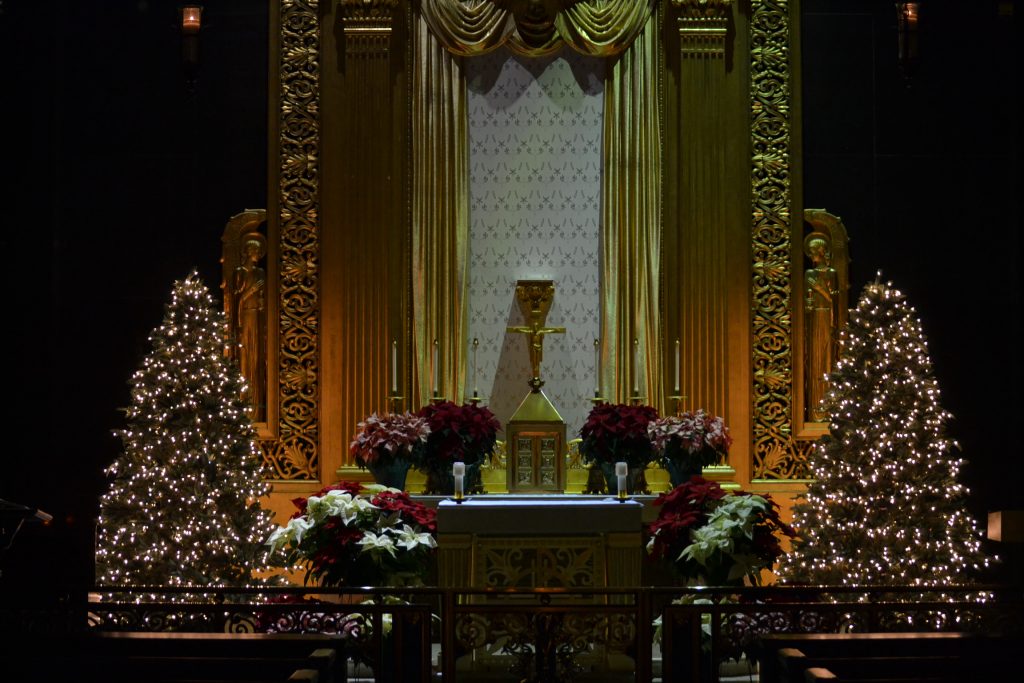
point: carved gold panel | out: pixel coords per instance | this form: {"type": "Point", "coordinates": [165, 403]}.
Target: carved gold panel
{"type": "Point", "coordinates": [776, 453]}
{"type": "Point", "coordinates": [562, 562]}
{"type": "Point", "coordinates": [294, 455]}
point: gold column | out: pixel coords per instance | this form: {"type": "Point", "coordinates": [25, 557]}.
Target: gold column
{"type": "Point", "coordinates": [364, 217]}
{"type": "Point", "coordinates": [706, 250]}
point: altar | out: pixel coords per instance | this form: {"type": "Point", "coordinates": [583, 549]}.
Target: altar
{"type": "Point", "coordinates": [521, 541]}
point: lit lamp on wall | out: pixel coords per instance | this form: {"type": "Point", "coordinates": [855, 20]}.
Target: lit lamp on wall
{"type": "Point", "coordinates": [906, 28]}
{"type": "Point", "coordinates": [191, 23]}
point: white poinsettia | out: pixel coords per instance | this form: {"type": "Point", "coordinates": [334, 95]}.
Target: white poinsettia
{"type": "Point", "coordinates": [355, 507]}
{"type": "Point", "coordinates": [732, 519]}
{"type": "Point", "coordinates": [337, 504]}
{"type": "Point", "coordinates": [380, 542]}
{"type": "Point", "coordinates": [409, 538]}
{"type": "Point", "coordinates": [290, 534]}
{"type": "Point", "coordinates": [319, 508]}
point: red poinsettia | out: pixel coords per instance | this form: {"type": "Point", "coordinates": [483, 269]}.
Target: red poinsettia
{"type": "Point", "coordinates": [382, 439]}
{"type": "Point", "coordinates": [695, 440]}
{"type": "Point", "coordinates": [465, 433]}
{"type": "Point", "coordinates": [618, 432]}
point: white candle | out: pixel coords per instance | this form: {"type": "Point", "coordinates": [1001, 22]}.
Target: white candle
{"type": "Point", "coordinates": [434, 369]}
{"type": "Point", "coordinates": [677, 368]}
{"type": "Point", "coordinates": [636, 367]}
{"type": "Point", "coordinates": [394, 367]}
{"type": "Point", "coordinates": [597, 367]}
{"type": "Point", "coordinates": [476, 344]}
{"type": "Point", "coordinates": [459, 473]}
{"type": "Point", "coordinates": [620, 473]}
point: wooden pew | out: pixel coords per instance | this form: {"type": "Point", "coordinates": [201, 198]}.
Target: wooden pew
{"type": "Point", "coordinates": [134, 656]}
{"type": "Point", "coordinates": [794, 665]}
{"type": "Point", "coordinates": [321, 652]}
{"type": "Point", "coordinates": [922, 656]}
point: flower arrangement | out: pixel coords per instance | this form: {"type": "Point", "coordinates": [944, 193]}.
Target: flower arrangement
{"type": "Point", "coordinates": [353, 534]}
{"type": "Point", "coordinates": [617, 432]}
{"type": "Point", "coordinates": [465, 433]}
{"type": "Point", "coordinates": [689, 441]}
{"type": "Point", "coordinates": [715, 537]}
{"type": "Point", "coordinates": [382, 439]}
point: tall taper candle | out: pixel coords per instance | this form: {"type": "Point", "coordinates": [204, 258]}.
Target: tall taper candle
{"type": "Point", "coordinates": [621, 469]}
{"type": "Point", "coordinates": [394, 367]}
{"type": "Point", "coordinates": [476, 344]}
{"type": "Point", "coordinates": [434, 370]}
{"type": "Point", "coordinates": [597, 367]}
{"type": "Point", "coordinates": [636, 366]}
{"type": "Point", "coordinates": [677, 368]}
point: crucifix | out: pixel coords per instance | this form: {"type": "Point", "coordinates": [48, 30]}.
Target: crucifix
{"type": "Point", "coordinates": [536, 432]}
{"type": "Point", "coordinates": [534, 297]}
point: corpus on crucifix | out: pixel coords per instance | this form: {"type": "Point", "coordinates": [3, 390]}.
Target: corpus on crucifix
{"type": "Point", "coordinates": [534, 298]}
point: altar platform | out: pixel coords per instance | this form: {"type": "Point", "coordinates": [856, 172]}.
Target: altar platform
{"type": "Point", "coordinates": [524, 541]}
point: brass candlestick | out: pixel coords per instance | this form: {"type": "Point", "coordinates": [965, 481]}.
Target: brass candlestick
{"type": "Point", "coordinates": [677, 402]}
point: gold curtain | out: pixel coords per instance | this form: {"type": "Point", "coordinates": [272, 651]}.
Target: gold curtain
{"type": "Point", "coordinates": [631, 224]}
{"type": "Point", "coordinates": [631, 219]}
{"type": "Point", "coordinates": [440, 219]}
{"type": "Point", "coordinates": [599, 28]}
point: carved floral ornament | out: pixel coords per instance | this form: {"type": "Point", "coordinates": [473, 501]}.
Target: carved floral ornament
{"type": "Point", "coordinates": [599, 28]}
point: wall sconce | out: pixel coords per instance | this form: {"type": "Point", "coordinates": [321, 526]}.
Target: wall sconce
{"type": "Point", "coordinates": [906, 31]}
{"type": "Point", "coordinates": [191, 22]}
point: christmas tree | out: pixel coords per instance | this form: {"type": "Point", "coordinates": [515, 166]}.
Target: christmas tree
{"type": "Point", "coordinates": [885, 506]}
{"type": "Point", "coordinates": [182, 508]}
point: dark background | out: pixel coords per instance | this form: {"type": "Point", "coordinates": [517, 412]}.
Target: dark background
{"type": "Point", "coordinates": [118, 180]}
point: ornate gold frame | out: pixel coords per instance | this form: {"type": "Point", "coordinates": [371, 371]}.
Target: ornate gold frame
{"type": "Point", "coordinates": [294, 236]}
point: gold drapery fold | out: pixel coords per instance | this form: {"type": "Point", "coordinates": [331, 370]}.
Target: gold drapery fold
{"type": "Point", "coordinates": [603, 29]}
{"type": "Point", "coordinates": [599, 28]}
{"type": "Point", "coordinates": [440, 219]}
{"type": "Point", "coordinates": [631, 224]}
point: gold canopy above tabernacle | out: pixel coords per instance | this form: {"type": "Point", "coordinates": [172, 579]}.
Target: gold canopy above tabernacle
{"type": "Point", "coordinates": [536, 27]}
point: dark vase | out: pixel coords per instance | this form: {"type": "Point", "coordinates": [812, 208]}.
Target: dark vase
{"type": "Point", "coordinates": [391, 474]}
{"type": "Point", "coordinates": [682, 470]}
{"type": "Point", "coordinates": [636, 480]}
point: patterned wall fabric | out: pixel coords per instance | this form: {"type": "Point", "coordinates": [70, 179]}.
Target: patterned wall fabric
{"type": "Point", "coordinates": [535, 191]}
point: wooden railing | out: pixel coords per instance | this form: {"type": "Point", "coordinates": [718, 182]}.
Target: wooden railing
{"type": "Point", "coordinates": [543, 634]}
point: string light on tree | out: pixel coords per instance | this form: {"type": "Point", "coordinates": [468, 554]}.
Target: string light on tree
{"type": "Point", "coordinates": [182, 508]}
{"type": "Point", "coordinates": [885, 506]}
